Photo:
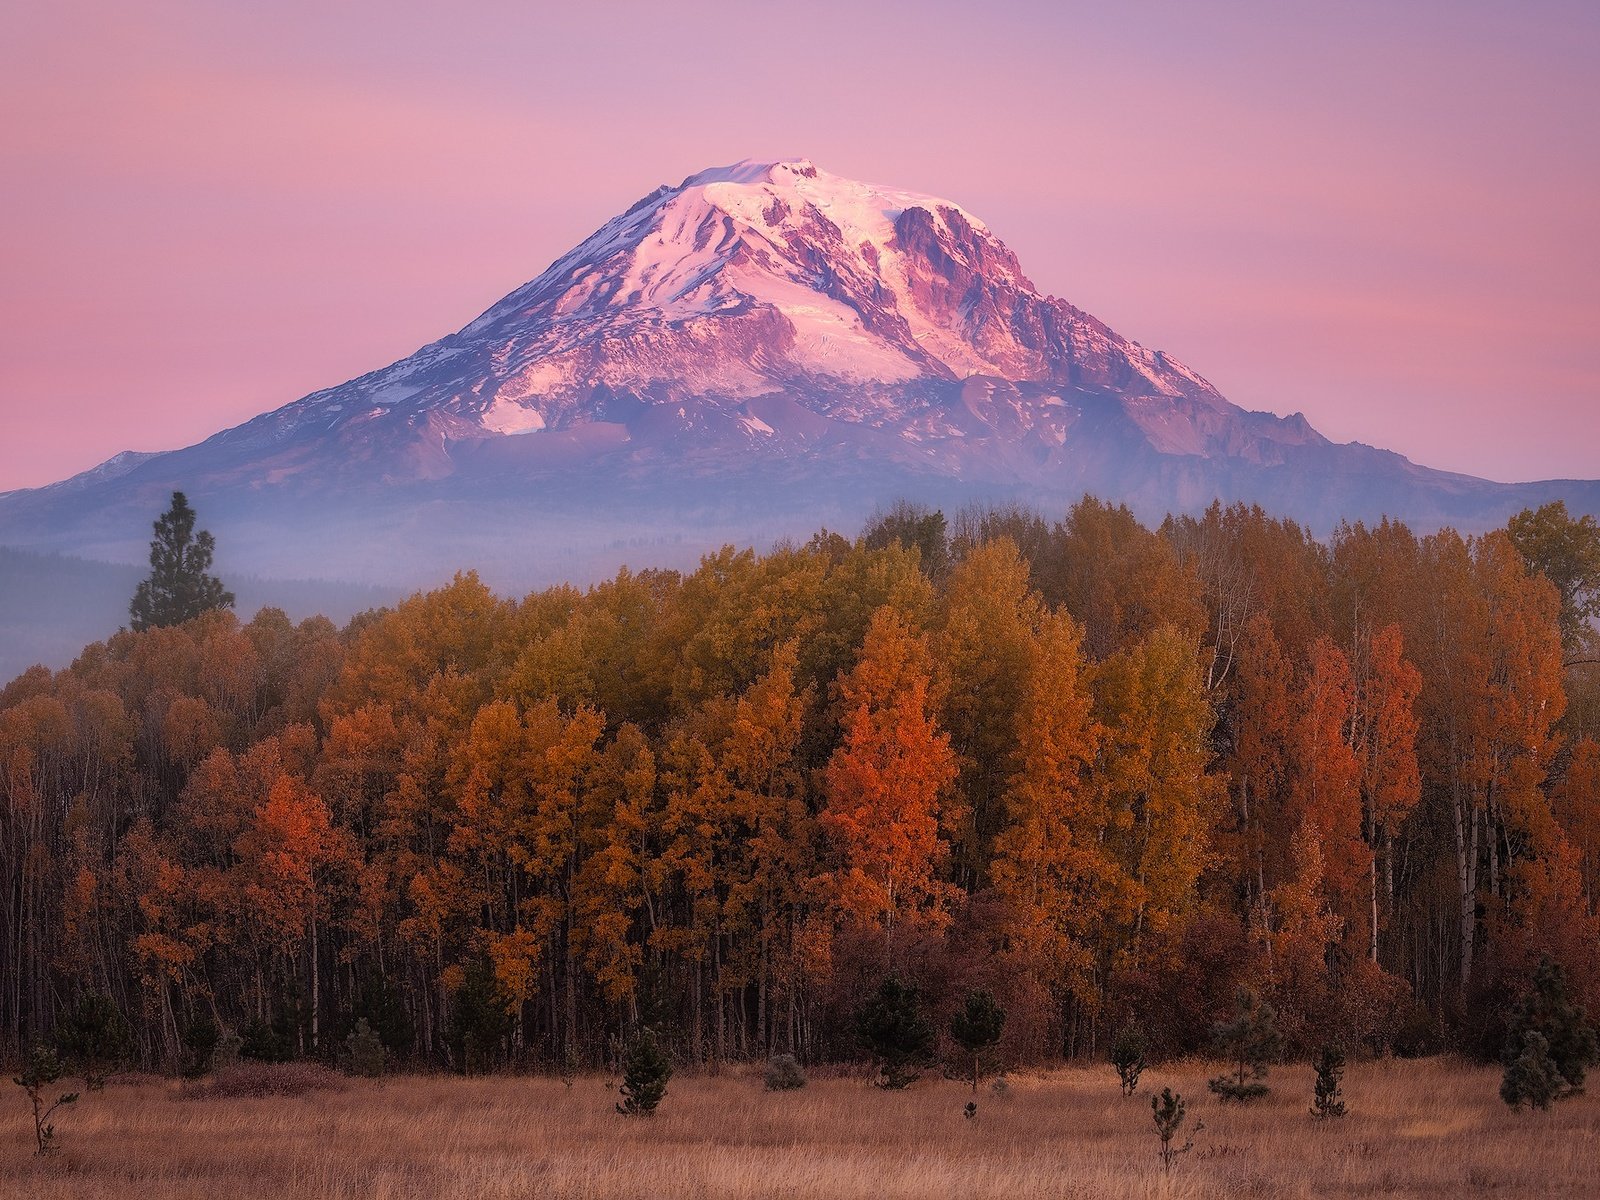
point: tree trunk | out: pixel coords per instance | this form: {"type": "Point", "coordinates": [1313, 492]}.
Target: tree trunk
{"type": "Point", "coordinates": [316, 988]}
{"type": "Point", "coordinates": [1373, 887]}
{"type": "Point", "coordinates": [1465, 820]}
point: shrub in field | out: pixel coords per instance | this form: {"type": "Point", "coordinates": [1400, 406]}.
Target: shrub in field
{"type": "Point", "coordinates": [1249, 1041]}
{"type": "Point", "coordinates": [645, 1071]}
{"type": "Point", "coordinates": [783, 1074]}
{"type": "Point", "coordinates": [94, 1039]}
{"type": "Point", "coordinates": [1328, 1102]}
{"type": "Point", "coordinates": [1533, 1078]}
{"type": "Point", "coordinates": [252, 1080]}
{"type": "Point", "coordinates": [367, 1055]}
{"type": "Point", "coordinates": [1548, 1010]}
{"type": "Point", "coordinates": [1169, 1111]}
{"type": "Point", "coordinates": [891, 1026]}
{"type": "Point", "coordinates": [1127, 1056]}
{"type": "Point", "coordinates": [977, 1027]}
{"type": "Point", "coordinates": [42, 1069]}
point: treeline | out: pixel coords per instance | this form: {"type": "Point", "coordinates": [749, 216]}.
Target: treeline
{"type": "Point", "coordinates": [1095, 769]}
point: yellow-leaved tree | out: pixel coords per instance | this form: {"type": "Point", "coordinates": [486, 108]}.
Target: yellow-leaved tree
{"type": "Point", "coordinates": [1051, 870]}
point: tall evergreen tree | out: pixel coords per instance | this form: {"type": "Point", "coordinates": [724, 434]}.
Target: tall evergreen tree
{"type": "Point", "coordinates": [180, 586]}
{"type": "Point", "coordinates": [913, 526]}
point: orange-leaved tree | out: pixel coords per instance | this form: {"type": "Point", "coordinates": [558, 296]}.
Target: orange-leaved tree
{"type": "Point", "coordinates": [884, 785]}
{"type": "Point", "coordinates": [1385, 742]}
{"type": "Point", "coordinates": [1326, 781]}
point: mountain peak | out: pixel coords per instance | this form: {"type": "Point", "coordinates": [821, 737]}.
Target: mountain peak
{"type": "Point", "coordinates": [747, 278]}
{"type": "Point", "coordinates": [855, 200]}
{"type": "Point", "coordinates": [753, 170]}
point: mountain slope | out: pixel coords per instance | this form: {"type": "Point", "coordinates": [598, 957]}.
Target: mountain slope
{"type": "Point", "coordinates": [760, 349]}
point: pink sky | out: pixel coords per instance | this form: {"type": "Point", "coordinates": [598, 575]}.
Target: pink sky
{"type": "Point", "coordinates": [1388, 220]}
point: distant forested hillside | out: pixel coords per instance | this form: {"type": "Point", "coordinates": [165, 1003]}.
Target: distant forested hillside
{"type": "Point", "coordinates": [51, 605]}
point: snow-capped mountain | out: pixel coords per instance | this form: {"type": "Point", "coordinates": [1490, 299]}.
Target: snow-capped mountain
{"type": "Point", "coordinates": [746, 303]}
{"type": "Point", "coordinates": [757, 350]}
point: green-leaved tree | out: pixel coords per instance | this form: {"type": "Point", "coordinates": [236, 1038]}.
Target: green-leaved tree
{"type": "Point", "coordinates": [1566, 551]}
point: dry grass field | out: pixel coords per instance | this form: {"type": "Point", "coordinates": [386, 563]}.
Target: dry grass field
{"type": "Point", "coordinates": [1432, 1128]}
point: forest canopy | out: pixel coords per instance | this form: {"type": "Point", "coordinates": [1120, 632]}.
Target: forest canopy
{"type": "Point", "coordinates": [1095, 770]}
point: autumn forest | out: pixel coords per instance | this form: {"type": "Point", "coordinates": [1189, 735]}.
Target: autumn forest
{"type": "Point", "coordinates": [1102, 771]}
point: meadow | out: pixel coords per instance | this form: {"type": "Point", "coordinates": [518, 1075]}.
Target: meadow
{"type": "Point", "coordinates": [1423, 1128]}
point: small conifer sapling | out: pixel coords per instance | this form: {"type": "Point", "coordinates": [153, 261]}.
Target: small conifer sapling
{"type": "Point", "coordinates": [42, 1069]}
{"type": "Point", "coordinates": [645, 1072]}
{"type": "Point", "coordinates": [94, 1039]}
{"type": "Point", "coordinates": [977, 1027]}
{"type": "Point", "coordinates": [367, 1054]}
{"type": "Point", "coordinates": [1532, 1079]}
{"type": "Point", "coordinates": [1169, 1112]}
{"type": "Point", "coordinates": [199, 1047]}
{"type": "Point", "coordinates": [1328, 1103]}
{"type": "Point", "coordinates": [892, 1027]}
{"type": "Point", "coordinates": [1548, 1010]}
{"type": "Point", "coordinates": [784, 1074]}
{"type": "Point", "coordinates": [1127, 1056]}
{"type": "Point", "coordinates": [1249, 1042]}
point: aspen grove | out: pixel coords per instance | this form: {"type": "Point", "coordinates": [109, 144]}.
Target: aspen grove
{"type": "Point", "coordinates": [1101, 772]}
